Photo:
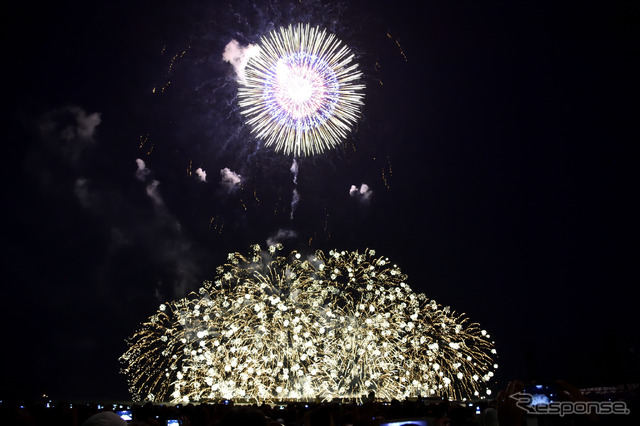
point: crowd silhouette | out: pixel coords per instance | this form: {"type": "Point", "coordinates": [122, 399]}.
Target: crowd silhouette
{"type": "Point", "coordinates": [501, 411]}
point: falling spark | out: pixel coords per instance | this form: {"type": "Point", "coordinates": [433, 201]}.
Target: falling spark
{"type": "Point", "coordinates": [273, 327]}
{"type": "Point", "coordinates": [216, 224]}
{"type": "Point", "coordinates": [143, 139]}
{"type": "Point", "coordinates": [164, 86]}
{"type": "Point", "coordinates": [384, 179]}
{"type": "Point", "coordinates": [301, 91]}
{"type": "Point", "coordinates": [397, 42]}
{"type": "Point", "coordinates": [173, 60]}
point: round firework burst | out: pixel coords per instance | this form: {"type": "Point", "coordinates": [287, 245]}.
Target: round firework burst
{"type": "Point", "coordinates": [301, 91]}
{"type": "Point", "coordinates": [273, 328]}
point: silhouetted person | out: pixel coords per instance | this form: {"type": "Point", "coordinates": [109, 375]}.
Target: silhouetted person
{"type": "Point", "coordinates": [244, 416]}
{"type": "Point", "coordinates": [105, 418]}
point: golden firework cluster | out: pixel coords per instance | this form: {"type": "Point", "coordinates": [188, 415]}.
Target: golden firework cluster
{"type": "Point", "coordinates": [272, 327]}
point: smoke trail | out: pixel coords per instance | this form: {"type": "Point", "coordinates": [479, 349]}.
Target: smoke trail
{"type": "Point", "coordinates": [296, 197]}
{"type": "Point", "coordinates": [294, 170]}
{"type": "Point", "coordinates": [294, 202]}
{"type": "Point", "coordinates": [282, 234]}
{"type": "Point", "coordinates": [238, 56]}
{"type": "Point", "coordinates": [202, 175]}
{"type": "Point", "coordinates": [143, 171]}
{"type": "Point", "coordinates": [230, 180]}
{"type": "Point", "coordinates": [363, 194]}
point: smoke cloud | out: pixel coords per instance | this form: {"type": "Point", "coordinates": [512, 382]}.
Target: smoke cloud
{"type": "Point", "coordinates": [65, 134]}
{"type": "Point", "coordinates": [78, 125]}
{"type": "Point", "coordinates": [282, 234]}
{"type": "Point", "coordinates": [294, 170]}
{"type": "Point", "coordinates": [363, 194]}
{"type": "Point", "coordinates": [142, 172]}
{"type": "Point", "coordinates": [154, 193]}
{"type": "Point", "coordinates": [230, 180]}
{"type": "Point", "coordinates": [81, 190]}
{"type": "Point", "coordinates": [238, 56]}
{"type": "Point", "coordinates": [85, 125]}
{"type": "Point", "coordinates": [294, 202]}
{"type": "Point", "coordinates": [295, 197]}
{"type": "Point", "coordinates": [65, 159]}
{"type": "Point", "coordinates": [152, 187]}
{"type": "Point", "coordinates": [201, 174]}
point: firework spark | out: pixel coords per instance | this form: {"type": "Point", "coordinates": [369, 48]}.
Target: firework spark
{"type": "Point", "coordinates": [274, 327]}
{"type": "Point", "coordinates": [301, 90]}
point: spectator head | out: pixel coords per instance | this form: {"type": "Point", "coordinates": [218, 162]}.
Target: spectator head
{"type": "Point", "coordinates": [105, 418]}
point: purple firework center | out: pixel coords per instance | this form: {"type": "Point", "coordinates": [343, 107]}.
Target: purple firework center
{"type": "Point", "coordinates": [301, 91]}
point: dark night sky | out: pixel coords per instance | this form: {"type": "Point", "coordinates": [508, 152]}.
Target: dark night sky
{"type": "Point", "coordinates": [506, 137]}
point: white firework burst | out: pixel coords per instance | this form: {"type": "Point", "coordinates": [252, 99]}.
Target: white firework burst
{"type": "Point", "coordinates": [301, 92]}
{"type": "Point", "coordinates": [275, 328]}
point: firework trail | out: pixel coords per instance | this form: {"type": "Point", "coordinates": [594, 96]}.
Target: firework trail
{"type": "Point", "coordinates": [294, 170]}
{"type": "Point", "coordinates": [295, 196]}
{"type": "Point", "coordinates": [273, 327]}
{"type": "Point", "coordinates": [300, 91]}
{"type": "Point", "coordinates": [295, 199]}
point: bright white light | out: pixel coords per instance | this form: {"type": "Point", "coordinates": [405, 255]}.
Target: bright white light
{"type": "Point", "coordinates": [301, 91]}
{"type": "Point", "coordinates": [280, 329]}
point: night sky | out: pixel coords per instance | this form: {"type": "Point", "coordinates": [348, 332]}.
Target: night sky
{"type": "Point", "coordinates": [498, 140]}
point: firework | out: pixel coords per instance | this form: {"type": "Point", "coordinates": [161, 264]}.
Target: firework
{"type": "Point", "coordinates": [272, 327]}
{"type": "Point", "coordinates": [301, 91]}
